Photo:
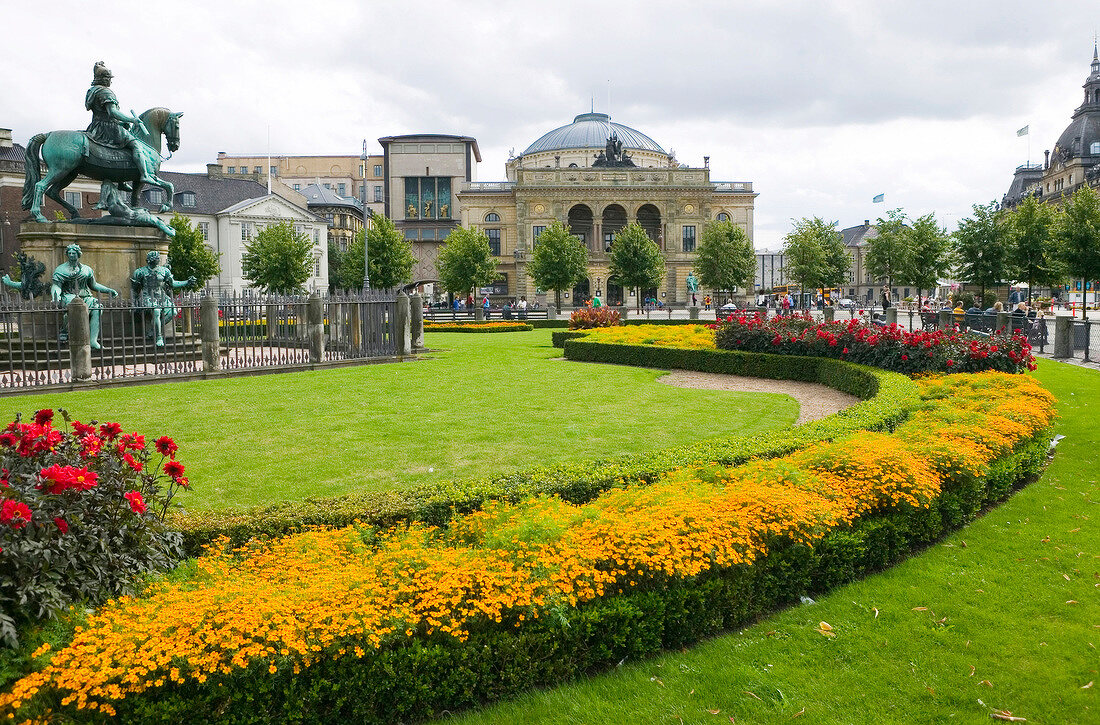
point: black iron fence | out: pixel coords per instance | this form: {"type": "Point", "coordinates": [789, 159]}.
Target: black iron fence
{"type": "Point", "coordinates": [189, 334]}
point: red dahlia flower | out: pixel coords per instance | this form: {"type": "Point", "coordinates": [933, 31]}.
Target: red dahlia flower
{"type": "Point", "coordinates": [15, 514]}
{"type": "Point", "coordinates": [137, 503]}
{"type": "Point", "coordinates": [43, 416]}
{"type": "Point", "coordinates": [62, 524]}
{"type": "Point", "coordinates": [166, 446]}
{"type": "Point", "coordinates": [174, 469]}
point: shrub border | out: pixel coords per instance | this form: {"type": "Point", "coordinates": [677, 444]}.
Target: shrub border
{"type": "Point", "coordinates": [481, 327]}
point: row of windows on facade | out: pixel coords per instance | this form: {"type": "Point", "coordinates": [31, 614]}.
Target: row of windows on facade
{"type": "Point", "coordinates": [249, 229]}
{"type": "Point", "coordinates": [340, 189]}
{"type": "Point", "coordinates": [275, 170]}
{"type": "Point", "coordinates": [152, 196]}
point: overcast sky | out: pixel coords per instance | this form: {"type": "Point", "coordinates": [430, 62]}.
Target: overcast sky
{"type": "Point", "coordinates": [822, 105]}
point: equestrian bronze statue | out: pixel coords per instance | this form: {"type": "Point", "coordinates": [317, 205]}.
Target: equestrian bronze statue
{"type": "Point", "coordinates": [116, 147]}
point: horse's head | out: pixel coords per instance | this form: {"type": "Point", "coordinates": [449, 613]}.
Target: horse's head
{"type": "Point", "coordinates": [172, 131]}
{"type": "Point", "coordinates": [160, 121]}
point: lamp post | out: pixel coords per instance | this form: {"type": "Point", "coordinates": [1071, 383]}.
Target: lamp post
{"type": "Point", "coordinates": [367, 214]}
{"type": "Point", "coordinates": [599, 292]}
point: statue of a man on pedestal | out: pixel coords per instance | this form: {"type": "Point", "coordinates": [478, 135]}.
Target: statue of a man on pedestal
{"type": "Point", "coordinates": [152, 286]}
{"type": "Point", "coordinates": [72, 279]}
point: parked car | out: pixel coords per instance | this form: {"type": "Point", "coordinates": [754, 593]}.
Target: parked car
{"type": "Point", "coordinates": [728, 307]}
{"type": "Point", "coordinates": [846, 304]}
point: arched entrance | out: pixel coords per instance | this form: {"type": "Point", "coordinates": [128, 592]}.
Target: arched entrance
{"type": "Point", "coordinates": [614, 291]}
{"type": "Point", "coordinates": [649, 218]}
{"type": "Point", "coordinates": [614, 219]}
{"type": "Point", "coordinates": [580, 223]}
{"type": "Point", "coordinates": [581, 293]}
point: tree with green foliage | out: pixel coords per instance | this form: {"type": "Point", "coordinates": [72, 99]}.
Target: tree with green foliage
{"type": "Point", "coordinates": [559, 260]}
{"type": "Point", "coordinates": [1032, 252]}
{"type": "Point", "coordinates": [335, 261]}
{"type": "Point", "coordinates": [889, 253]}
{"type": "Point", "coordinates": [1077, 234]}
{"type": "Point", "coordinates": [806, 252]}
{"type": "Point", "coordinates": [636, 260]}
{"type": "Point", "coordinates": [279, 260]}
{"type": "Point", "coordinates": [466, 261]}
{"type": "Point", "coordinates": [979, 249]}
{"type": "Point", "coordinates": [388, 253]}
{"type": "Point", "coordinates": [188, 253]}
{"type": "Point", "coordinates": [928, 259]}
{"type": "Point", "coordinates": [725, 257]}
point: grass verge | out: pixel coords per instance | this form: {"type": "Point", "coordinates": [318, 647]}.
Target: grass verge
{"type": "Point", "coordinates": [482, 405]}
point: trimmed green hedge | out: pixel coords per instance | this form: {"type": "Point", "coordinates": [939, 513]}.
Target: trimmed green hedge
{"type": "Point", "coordinates": [481, 327]}
{"type": "Point", "coordinates": [558, 337]}
{"type": "Point", "coordinates": [887, 398]}
{"type": "Point", "coordinates": [422, 677]}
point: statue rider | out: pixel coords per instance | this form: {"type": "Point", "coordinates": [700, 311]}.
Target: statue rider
{"type": "Point", "coordinates": [109, 125]}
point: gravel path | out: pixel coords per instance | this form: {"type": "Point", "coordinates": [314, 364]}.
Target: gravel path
{"type": "Point", "coordinates": [815, 400]}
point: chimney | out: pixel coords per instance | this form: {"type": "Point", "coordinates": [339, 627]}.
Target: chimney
{"type": "Point", "coordinates": [866, 222]}
{"type": "Point", "coordinates": [5, 138]}
{"type": "Point", "coordinates": [214, 171]}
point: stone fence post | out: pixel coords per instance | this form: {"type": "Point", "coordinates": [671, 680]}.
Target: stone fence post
{"type": "Point", "coordinates": [479, 314]}
{"type": "Point", "coordinates": [315, 328]}
{"type": "Point", "coordinates": [891, 315]}
{"type": "Point", "coordinates": [210, 334]}
{"type": "Point", "coordinates": [624, 313]}
{"type": "Point", "coordinates": [551, 312]}
{"type": "Point", "coordinates": [403, 326]}
{"type": "Point", "coordinates": [416, 307]}
{"type": "Point", "coordinates": [1063, 337]}
{"type": "Point", "coordinates": [946, 318]}
{"type": "Point", "coordinates": [829, 313]}
{"type": "Point", "coordinates": [80, 340]}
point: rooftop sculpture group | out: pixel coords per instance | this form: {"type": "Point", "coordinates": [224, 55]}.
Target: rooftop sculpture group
{"type": "Point", "coordinates": [121, 150]}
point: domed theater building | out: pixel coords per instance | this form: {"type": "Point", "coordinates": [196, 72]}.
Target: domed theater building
{"type": "Point", "coordinates": [597, 176]}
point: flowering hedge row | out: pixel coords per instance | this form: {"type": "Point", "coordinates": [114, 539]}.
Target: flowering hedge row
{"type": "Point", "coordinates": [890, 347]}
{"type": "Point", "coordinates": [476, 327]}
{"type": "Point", "coordinates": [82, 511]}
{"type": "Point", "coordinates": [344, 625]}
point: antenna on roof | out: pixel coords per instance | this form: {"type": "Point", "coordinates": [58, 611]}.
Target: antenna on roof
{"type": "Point", "coordinates": [269, 158]}
{"type": "Point", "coordinates": [592, 104]}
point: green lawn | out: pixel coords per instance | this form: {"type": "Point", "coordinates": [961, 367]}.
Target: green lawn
{"type": "Point", "coordinates": [1003, 615]}
{"type": "Point", "coordinates": [483, 404]}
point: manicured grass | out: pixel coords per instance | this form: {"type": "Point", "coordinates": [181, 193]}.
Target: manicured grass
{"type": "Point", "coordinates": [1002, 615]}
{"type": "Point", "coordinates": [483, 404]}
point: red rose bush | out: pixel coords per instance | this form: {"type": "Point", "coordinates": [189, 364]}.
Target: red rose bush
{"type": "Point", "coordinates": [889, 347]}
{"type": "Point", "coordinates": [82, 510]}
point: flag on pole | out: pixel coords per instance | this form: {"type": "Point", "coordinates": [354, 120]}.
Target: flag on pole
{"type": "Point", "coordinates": [1023, 131]}
{"type": "Point", "coordinates": [879, 198]}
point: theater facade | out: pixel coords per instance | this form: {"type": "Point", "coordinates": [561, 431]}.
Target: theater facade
{"type": "Point", "coordinates": [597, 176]}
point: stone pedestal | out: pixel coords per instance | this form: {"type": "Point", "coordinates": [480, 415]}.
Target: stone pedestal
{"type": "Point", "coordinates": [829, 314]}
{"type": "Point", "coordinates": [693, 313]}
{"type": "Point", "coordinates": [113, 252]}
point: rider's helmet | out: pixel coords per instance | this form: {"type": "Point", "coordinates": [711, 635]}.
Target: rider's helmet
{"type": "Point", "coordinates": [101, 75]}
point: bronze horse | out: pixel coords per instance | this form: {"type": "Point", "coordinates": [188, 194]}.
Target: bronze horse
{"type": "Point", "coordinates": [68, 153]}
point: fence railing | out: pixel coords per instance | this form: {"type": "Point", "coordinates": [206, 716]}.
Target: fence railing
{"type": "Point", "coordinates": [447, 314]}
{"type": "Point", "coordinates": [48, 343]}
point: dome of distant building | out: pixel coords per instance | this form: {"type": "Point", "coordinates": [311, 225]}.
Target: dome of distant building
{"type": "Point", "coordinates": [1082, 137]}
{"type": "Point", "coordinates": [591, 131]}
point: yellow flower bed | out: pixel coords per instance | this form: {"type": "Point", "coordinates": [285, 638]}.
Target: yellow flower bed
{"type": "Point", "coordinates": [289, 602]}
{"type": "Point", "coordinates": [695, 337]}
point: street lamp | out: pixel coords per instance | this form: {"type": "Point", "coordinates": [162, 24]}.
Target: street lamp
{"type": "Point", "coordinates": [599, 293]}
{"type": "Point", "coordinates": [367, 214]}
{"type": "Point", "coordinates": [368, 218]}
